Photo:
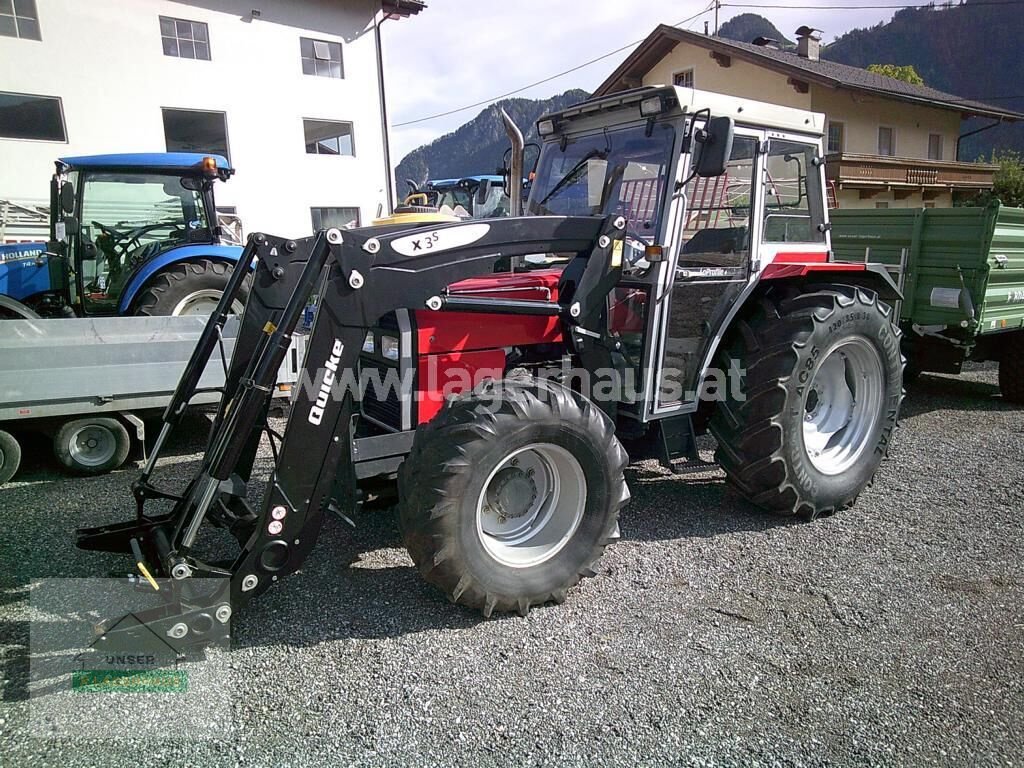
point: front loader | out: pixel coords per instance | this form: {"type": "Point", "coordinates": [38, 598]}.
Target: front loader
{"type": "Point", "coordinates": [672, 276]}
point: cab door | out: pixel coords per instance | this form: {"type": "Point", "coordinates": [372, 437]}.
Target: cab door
{"type": "Point", "coordinates": [710, 267]}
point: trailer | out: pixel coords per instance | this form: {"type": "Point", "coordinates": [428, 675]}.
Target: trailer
{"type": "Point", "coordinates": [89, 383]}
{"type": "Point", "coordinates": [962, 278]}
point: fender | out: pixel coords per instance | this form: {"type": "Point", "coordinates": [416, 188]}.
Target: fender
{"type": "Point", "coordinates": [140, 277]}
{"type": "Point", "coordinates": [873, 276]}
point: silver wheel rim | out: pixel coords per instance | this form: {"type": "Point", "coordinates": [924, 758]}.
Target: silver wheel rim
{"type": "Point", "coordinates": [842, 405]}
{"type": "Point", "coordinates": [92, 445]}
{"type": "Point", "coordinates": [531, 505]}
{"type": "Point", "coordinates": [203, 302]}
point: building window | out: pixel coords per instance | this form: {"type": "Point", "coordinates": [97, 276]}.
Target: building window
{"type": "Point", "coordinates": [886, 141]}
{"type": "Point", "coordinates": [188, 130]}
{"type": "Point", "coordinates": [184, 39]}
{"type": "Point", "coordinates": [324, 137]}
{"type": "Point", "coordinates": [881, 205]}
{"type": "Point", "coordinates": [342, 218]}
{"type": "Point", "coordinates": [683, 79]}
{"type": "Point", "coordinates": [934, 146]}
{"type": "Point", "coordinates": [836, 134]}
{"type": "Point", "coordinates": [19, 18]}
{"type": "Point", "coordinates": [39, 118]}
{"type": "Point", "coordinates": [321, 57]}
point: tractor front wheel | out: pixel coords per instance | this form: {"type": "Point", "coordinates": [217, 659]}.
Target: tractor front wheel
{"type": "Point", "coordinates": [189, 288]}
{"type": "Point", "coordinates": [819, 401]}
{"type": "Point", "coordinates": [511, 494]}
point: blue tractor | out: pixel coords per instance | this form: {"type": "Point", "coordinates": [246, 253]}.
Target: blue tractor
{"type": "Point", "coordinates": [130, 234]}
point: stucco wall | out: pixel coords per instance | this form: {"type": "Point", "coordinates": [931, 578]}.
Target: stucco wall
{"type": "Point", "coordinates": [739, 79]}
{"type": "Point", "coordinates": [104, 59]}
{"type": "Point", "coordinates": [862, 115]}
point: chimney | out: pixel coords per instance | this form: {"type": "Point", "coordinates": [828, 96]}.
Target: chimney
{"type": "Point", "coordinates": [808, 42]}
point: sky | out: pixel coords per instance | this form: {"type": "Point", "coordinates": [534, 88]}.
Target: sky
{"type": "Point", "coordinates": [457, 52]}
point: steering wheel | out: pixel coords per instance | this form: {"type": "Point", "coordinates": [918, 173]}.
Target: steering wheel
{"type": "Point", "coordinates": [127, 241]}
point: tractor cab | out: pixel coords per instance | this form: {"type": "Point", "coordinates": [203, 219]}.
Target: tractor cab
{"type": "Point", "coordinates": [117, 220]}
{"type": "Point", "coordinates": [713, 190]}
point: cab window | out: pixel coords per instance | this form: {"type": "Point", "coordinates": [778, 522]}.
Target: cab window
{"type": "Point", "coordinates": [792, 194]}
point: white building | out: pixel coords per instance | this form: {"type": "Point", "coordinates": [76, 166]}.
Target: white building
{"type": "Point", "coordinates": [292, 91]}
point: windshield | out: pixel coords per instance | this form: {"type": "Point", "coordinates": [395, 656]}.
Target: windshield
{"type": "Point", "coordinates": [620, 171]}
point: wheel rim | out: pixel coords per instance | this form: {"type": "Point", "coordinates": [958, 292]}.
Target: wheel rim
{"type": "Point", "coordinates": [843, 405]}
{"type": "Point", "coordinates": [203, 302]}
{"type": "Point", "coordinates": [92, 446]}
{"type": "Point", "coordinates": [531, 505]}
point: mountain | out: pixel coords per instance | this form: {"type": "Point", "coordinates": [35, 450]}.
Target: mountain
{"type": "Point", "coordinates": [745, 27]}
{"type": "Point", "coordinates": [479, 145]}
{"type": "Point", "coordinates": [972, 49]}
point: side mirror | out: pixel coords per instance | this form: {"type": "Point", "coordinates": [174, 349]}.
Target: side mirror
{"type": "Point", "coordinates": [67, 197]}
{"type": "Point", "coordinates": [715, 142]}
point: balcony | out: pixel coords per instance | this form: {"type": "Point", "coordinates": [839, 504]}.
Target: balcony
{"type": "Point", "coordinates": [871, 174]}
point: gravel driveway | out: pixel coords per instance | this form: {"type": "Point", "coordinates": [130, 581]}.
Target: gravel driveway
{"type": "Point", "coordinates": [891, 634]}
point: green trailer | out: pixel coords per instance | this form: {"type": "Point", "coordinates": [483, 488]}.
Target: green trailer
{"type": "Point", "coordinates": [961, 271]}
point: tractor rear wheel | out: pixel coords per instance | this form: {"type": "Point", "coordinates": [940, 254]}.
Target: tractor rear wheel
{"type": "Point", "coordinates": [511, 494]}
{"type": "Point", "coordinates": [819, 402]}
{"type": "Point", "coordinates": [10, 456]}
{"type": "Point", "coordinates": [1011, 370]}
{"type": "Point", "coordinates": [189, 288]}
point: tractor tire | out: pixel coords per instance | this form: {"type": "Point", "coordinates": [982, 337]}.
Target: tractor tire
{"type": "Point", "coordinates": [1011, 370]}
{"type": "Point", "coordinates": [511, 494]}
{"type": "Point", "coordinates": [817, 408]}
{"type": "Point", "coordinates": [188, 288]}
{"type": "Point", "coordinates": [91, 446]}
{"type": "Point", "coordinates": [10, 456]}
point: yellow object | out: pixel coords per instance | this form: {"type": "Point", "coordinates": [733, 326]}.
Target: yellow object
{"type": "Point", "coordinates": [269, 327]}
{"type": "Point", "coordinates": [145, 572]}
{"type": "Point", "coordinates": [415, 218]}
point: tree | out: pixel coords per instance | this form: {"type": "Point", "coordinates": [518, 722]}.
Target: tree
{"type": "Point", "coordinates": [904, 72]}
{"type": "Point", "coordinates": [1008, 183]}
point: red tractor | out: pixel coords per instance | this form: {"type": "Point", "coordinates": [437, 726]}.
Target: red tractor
{"type": "Point", "coordinates": [672, 275]}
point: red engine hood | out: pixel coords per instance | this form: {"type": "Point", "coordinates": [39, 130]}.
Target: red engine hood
{"type": "Point", "coordinates": [541, 284]}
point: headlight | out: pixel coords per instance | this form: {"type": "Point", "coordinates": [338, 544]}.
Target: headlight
{"type": "Point", "coordinates": [368, 345]}
{"type": "Point", "coordinates": [389, 347]}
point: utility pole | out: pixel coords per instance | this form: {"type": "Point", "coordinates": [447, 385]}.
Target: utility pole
{"type": "Point", "coordinates": [718, 4]}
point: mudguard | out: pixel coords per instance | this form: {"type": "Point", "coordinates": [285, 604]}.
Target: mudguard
{"type": "Point", "coordinates": [228, 253]}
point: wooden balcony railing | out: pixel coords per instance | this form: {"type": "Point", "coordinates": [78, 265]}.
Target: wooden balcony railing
{"type": "Point", "coordinates": [850, 171]}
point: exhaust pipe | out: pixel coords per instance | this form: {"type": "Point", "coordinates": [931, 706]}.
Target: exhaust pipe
{"type": "Point", "coordinates": [515, 171]}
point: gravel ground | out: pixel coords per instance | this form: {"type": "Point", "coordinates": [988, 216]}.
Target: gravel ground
{"type": "Point", "coordinates": [889, 634]}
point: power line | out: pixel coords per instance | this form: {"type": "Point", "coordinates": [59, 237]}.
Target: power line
{"type": "Point", "coordinates": [546, 79]}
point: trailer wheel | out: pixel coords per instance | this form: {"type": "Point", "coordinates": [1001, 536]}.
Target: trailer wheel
{"type": "Point", "coordinates": [91, 446]}
{"type": "Point", "coordinates": [10, 456]}
{"type": "Point", "coordinates": [512, 494]}
{"type": "Point", "coordinates": [1011, 370]}
{"type": "Point", "coordinates": [189, 288]}
{"type": "Point", "coordinates": [819, 403]}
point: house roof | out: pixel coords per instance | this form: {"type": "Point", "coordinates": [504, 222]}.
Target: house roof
{"type": "Point", "coordinates": [830, 74]}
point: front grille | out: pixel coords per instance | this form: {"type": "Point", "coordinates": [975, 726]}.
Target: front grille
{"type": "Point", "coordinates": [385, 407]}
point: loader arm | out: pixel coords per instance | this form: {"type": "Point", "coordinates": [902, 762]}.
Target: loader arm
{"type": "Point", "coordinates": [370, 272]}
